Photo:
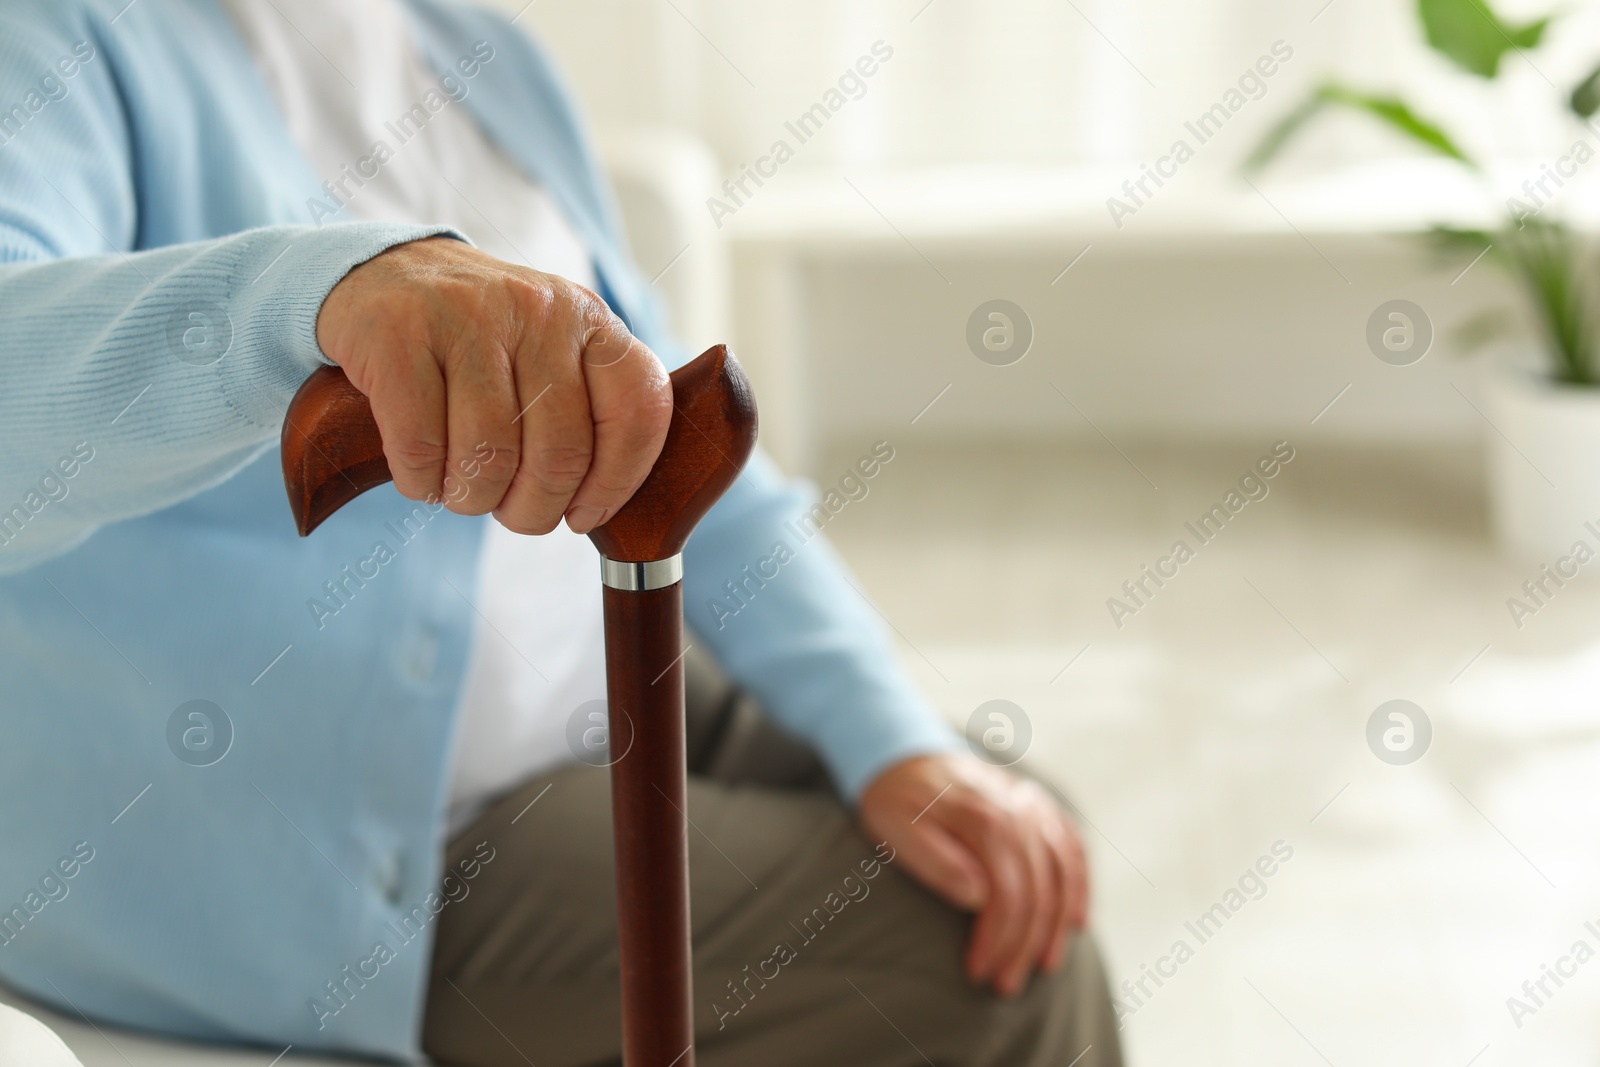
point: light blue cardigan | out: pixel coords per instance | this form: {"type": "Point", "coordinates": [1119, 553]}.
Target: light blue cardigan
{"type": "Point", "coordinates": [152, 207]}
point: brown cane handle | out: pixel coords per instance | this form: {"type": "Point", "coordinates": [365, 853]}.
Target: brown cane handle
{"type": "Point", "coordinates": [332, 453]}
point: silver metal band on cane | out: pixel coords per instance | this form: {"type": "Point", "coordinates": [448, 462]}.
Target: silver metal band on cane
{"type": "Point", "coordinates": [637, 577]}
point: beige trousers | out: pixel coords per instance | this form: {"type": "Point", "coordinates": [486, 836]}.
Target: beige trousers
{"type": "Point", "coordinates": [811, 945]}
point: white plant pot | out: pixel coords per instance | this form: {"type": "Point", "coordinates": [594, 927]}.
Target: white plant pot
{"type": "Point", "coordinates": [1544, 464]}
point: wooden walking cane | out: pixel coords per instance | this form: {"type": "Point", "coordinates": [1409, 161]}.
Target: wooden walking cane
{"type": "Point", "coordinates": [332, 453]}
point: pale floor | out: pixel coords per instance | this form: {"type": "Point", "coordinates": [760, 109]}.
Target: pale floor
{"type": "Point", "coordinates": [1230, 713]}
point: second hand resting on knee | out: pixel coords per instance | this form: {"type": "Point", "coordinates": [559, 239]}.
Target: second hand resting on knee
{"type": "Point", "coordinates": [992, 842]}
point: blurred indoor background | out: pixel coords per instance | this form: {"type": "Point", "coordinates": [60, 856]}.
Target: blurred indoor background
{"type": "Point", "coordinates": [1168, 349]}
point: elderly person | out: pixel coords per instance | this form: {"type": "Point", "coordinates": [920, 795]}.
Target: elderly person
{"type": "Point", "coordinates": [264, 790]}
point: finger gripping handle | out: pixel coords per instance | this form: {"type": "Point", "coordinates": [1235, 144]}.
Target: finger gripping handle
{"type": "Point", "coordinates": [332, 453]}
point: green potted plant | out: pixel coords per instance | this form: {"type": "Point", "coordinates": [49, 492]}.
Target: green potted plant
{"type": "Point", "coordinates": [1544, 478]}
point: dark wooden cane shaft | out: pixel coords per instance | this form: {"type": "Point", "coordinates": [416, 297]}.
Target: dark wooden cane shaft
{"type": "Point", "coordinates": [644, 687]}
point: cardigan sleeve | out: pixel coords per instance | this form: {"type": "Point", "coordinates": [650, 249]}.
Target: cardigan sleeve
{"type": "Point", "coordinates": [779, 608]}
{"type": "Point", "coordinates": [130, 380]}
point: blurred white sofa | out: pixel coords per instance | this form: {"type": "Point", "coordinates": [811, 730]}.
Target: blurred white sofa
{"type": "Point", "coordinates": [102, 1046]}
{"type": "Point", "coordinates": [26, 1040]}
{"type": "Point", "coordinates": [660, 179]}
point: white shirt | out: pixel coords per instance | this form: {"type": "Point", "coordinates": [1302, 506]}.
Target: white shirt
{"type": "Point", "coordinates": [346, 74]}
